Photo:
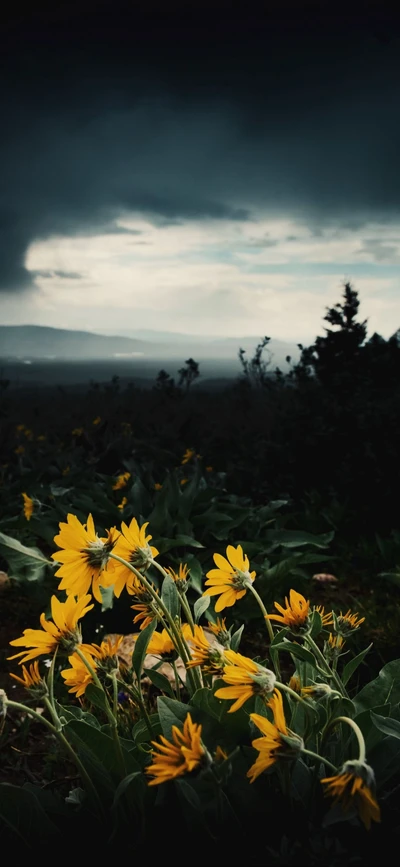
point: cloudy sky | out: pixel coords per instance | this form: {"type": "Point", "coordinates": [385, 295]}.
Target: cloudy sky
{"type": "Point", "coordinates": [208, 168]}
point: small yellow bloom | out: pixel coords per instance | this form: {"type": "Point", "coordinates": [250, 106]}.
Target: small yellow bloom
{"type": "Point", "coordinates": [296, 612]}
{"type": "Point", "coordinates": [349, 622]}
{"type": "Point", "coordinates": [29, 678]}
{"type": "Point", "coordinates": [183, 755]}
{"type": "Point", "coordinates": [161, 644]}
{"type": "Point", "coordinates": [121, 481]}
{"type": "Point", "coordinates": [327, 619]}
{"type": "Point", "coordinates": [132, 546]}
{"type": "Point", "coordinates": [85, 558]}
{"type": "Point", "coordinates": [271, 744]}
{"type": "Point", "coordinates": [20, 428]}
{"type": "Point", "coordinates": [78, 677]}
{"type": "Point", "coordinates": [97, 420]}
{"type": "Point", "coordinates": [181, 577]}
{"type": "Point", "coordinates": [157, 486]}
{"type": "Point", "coordinates": [77, 431]}
{"type": "Point", "coordinates": [246, 678]}
{"type": "Point", "coordinates": [41, 438]}
{"type": "Point", "coordinates": [350, 787]}
{"type": "Point", "coordinates": [144, 607]}
{"type": "Point", "coordinates": [107, 649]}
{"type": "Point", "coordinates": [295, 683]}
{"type": "Point", "coordinates": [28, 506]}
{"type": "Point", "coordinates": [62, 631]}
{"type": "Point", "coordinates": [336, 642]}
{"type": "Point", "coordinates": [220, 755]}
{"type": "Point", "coordinates": [20, 450]}
{"type": "Point", "coordinates": [123, 503]}
{"type": "Point", "coordinates": [209, 469]}
{"type": "Point", "coordinates": [230, 579]}
{"type": "Point", "coordinates": [209, 657]}
{"type": "Point", "coordinates": [189, 454]}
{"type": "Point", "coordinates": [183, 481]}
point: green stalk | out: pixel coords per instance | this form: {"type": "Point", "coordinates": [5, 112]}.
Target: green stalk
{"type": "Point", "coordinates": [111, 718]}
{"type": "Point", "coordinates": [357, 731]}
{"type": "Point", "coordinates": [319, 759]}
{"type": "Point", "coordinates": [50, 679]}
{"type": "Point", "coordinates": [177, 688]}
{"type": "Point", "coordinates": [296, 696]}
{"type": "Point", "coordinates": [180, 642]}
{"type": "Point", "coordinates": [138, 698]}
{"type": "Point", "coordinates": [274, 654]}
{"type": "Point", "coordinates": [63, 740]}
{"type": "Point", "coordinates": [332, 674]}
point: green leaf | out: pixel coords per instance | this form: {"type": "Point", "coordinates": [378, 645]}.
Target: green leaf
{"type": "Point", "coordinates": [24, 564]}
{"type": "Point", "coordinates": [297, 650]}
{"type": "Point", "coordinates": [96, 696]}
{"type": "Point", "coordinates": [136, 785]}
{"type": "Point", "coordinates": [297, 538]}
{"type": "Point", "coordinates": [71, 712]}
{"type": "Point", "coordinates": [141, 643]}
{"type": "Point", "coordinates": [236, 637]}
{"type": "Point", "coordinates": [316, 624]}
{"type": "Point", "coordinates": [171, 713]}
{"type": "Point", "coordinates": [170, 597]}
{"type": "Point", "coordinates": [200, 606]}
{"type": "Point", "coordinates": [351, 666]}
{"type": "Point", "coordinates": [22, 812]}
{"type": "Point", "coordinates": [181, 541]}
{"type": "Point", "coordinates": [195, 573]}
{"type": "Point", "coordinates": [160, 681]}
{"type": "Point", "coordinates": [384, 689]}
{"type": "Point", "coordinates": [205, 700]}
{"type": "Point", "coordinates": [140, 732]}
{"type": "Point", "coordinates": [385, 759]}
{"type": "Point", "coordinates": [386, 725]}
{"type": "Point", "coordinates": [107, 597]}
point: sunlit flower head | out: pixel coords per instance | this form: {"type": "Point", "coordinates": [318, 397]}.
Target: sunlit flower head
{"type": "Point", "coordinates": [210, 657]}
{"type": "Point", "coordinates": [181, 577]}
{"type": "Point", "coordinates": [271, 747]}
{"type": "Point", "coordinates": [28, 506]}
{"type": "Point", "coordinates": [220, 631]}
{"type": "Point", "coordinates": [296, 612]}
{"type": "Point", "coordinates": [121, 481]}
{"type": "Point", "coordinates": [348, 622]}
{"type": "Point", "coordinates": [157, 486]}
{"type": "Point", "coordinates": [61, 630]}
{"type": "Point", "coordinates": [245, 678]}
{"type": "Point", "coordinates": [31, 678]}
{"type": "Point", "coordinates": [327, 619]}
{"type": "Point", "coordinates": [335, 643]}
{"type": "Point", "coordinates": [231, 578]}
{"type": "Point", "coordinates": [108, 649]}
{"type": "Point", "coordinates": [355, 785]}
{"type": "Point", "coordinates": [85, 557]}
{"type": "Point", "coordinates": [77, 431]}
{"type": "Point", "coordinates": [133, 546]}
{"type": "Point", "coordinates": [78, 676]}
{"type": "Point", "coordinates": [161, 644]}
{"type": "Point", "coordinates": [189, 454]}
{"type": "Point", "coordinates": [145, 603]}
{"type": "Point", "coordinates": [184, 754]}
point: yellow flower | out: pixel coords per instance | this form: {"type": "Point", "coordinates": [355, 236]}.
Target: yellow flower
{"type": "Point", "coordinates": [28, 506]}
{"type": "Point", "coordinates": [144, 607]}
{"type": "Point", "coordinates": [85, 558]}
{"type": "Point", "coordinates": [183, 755]}
{"type": "Point", "coordinates": [220, 755]}
{"type": "Point", "coordinates": [271, 743]}
{"type": "Point", "coordinates": [97, 420]}
{"type": "Point", "coordinates": [189, 453]}
{"type": "Point", "coordinates": [64, 629]}
{"type": "Point", "coordinates": [157, 486]}
{"type": "Point", "coordinates": [20, 427]}
{"type": "Point", "coordinates": [29, 678]}
{"type": "Point", "coordinates": [327, 619]}
{"type": "Point", "coordinates": [296, 612]}
{"type": "Point", "coordinates": [77, 431]}
{"type": "Point", "coordinates": [123, 503]}
{"type": "Point", "coordinates": [20, 450]}
{"type": "Point", "coordinates": [107, 649]}
{"type": "Point", "coordinates": [209, 657]}
{"type": "Point", "coordinates": [353, 785]}
{"type": "Point", "coordinates": [220, 631]}
{"type": "Point", "coordinates": [78, 676]}
{"type": "Point", "coordinates": [246, 678]}
{"type": "Point", "coordinates": [132, 546]}
{"type": "Point", "coordinates": [349, 622]}
{"type": "Point", "coordinates": [295, 683]}
{"type": "Point", "coordinates": [161, 644]}
{"type": "Point", "coordinates": [183, 481]}
{"type": "Point", "coordinates": [336, 642]}
{"type": "Point", "coordinates": [209, 469]}
{"type": "Point", "coordinates": [41, 438]}
{"type": "Point", "coordinates": [181, 577]}
{"type": "Point", "coordinates": [230, 579]}
{"type": "Point", "coordinates": [121, 481]}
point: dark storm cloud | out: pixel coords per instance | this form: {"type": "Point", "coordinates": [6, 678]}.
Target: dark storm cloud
{"type": "Point", "coordinates": [188, 114]}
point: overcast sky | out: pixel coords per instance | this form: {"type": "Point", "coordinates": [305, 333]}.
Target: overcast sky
{"type": "Point", "coordinates": [200, 167]}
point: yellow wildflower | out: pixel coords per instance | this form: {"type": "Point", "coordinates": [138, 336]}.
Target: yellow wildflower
{"type": "Point", "coordinates": [132, 546]}
{"type": "Point", "coordinates": [246, 678]}
{"type": "Point", "coordinates": [189, 454]}
{"type": "Point", "coordinates": [296, 612]}
{"type": "Point", "coordinates": [28, 506]}
{"type": "Point", "coordinates": [78, 676]}
{"type": "Point", "coordinates": [85, 558]}
{"type": "Point", "coordinates": [353, 785]}
{"type": "Point", "coordinates": [209, 657]}
{"type": "Point", "coordinates": [231, 579]}
{"type": "Point", "coordinates": [271, 744]}
{"type": "Point", "coordinates": [157, 486]}
{"type": "Point", "coordinates": [181, 756]}
{"type": "Point", "coordinates": [123, 503]}
{"type": "Point", "coordinates": [97, 420]}
{"type": "Point", "coordinates": [121, 481]}
{"type": "Point", "coordinates": [64, 630]}
{"type": "Point", "coordinates": [30, 678]}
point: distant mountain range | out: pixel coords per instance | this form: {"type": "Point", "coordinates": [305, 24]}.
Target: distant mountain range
{"type": "Point", "coordinates": [37, 342]}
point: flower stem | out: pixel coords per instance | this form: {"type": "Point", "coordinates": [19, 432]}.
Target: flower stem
{"type": "Point", "coordinates": [274, 654]}
{"type": "Point", "coordinates": [296, 697]}
{"type": "Point", "coordinates": [111, 718]}
{"type": "Point", "coordinates": [177, 688]}
{"type": "Point", "coordinates": [50, 679]}
{"type": "Point", "coordinates": [357, 731]}
{"type": "Point", "coordinates": [179, 640]}
{"type": "Point", "coordinates": [332, 674]}
{"type": "Point", "coordinates": [63, 740]}
{"type": "Point", "coordinates": [319, 759]}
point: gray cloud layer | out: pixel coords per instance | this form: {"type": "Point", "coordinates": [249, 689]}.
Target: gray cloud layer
{"type": "Point", "coordinates": [185, 121]}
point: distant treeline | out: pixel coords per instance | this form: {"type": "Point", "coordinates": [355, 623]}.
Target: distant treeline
{"type": "Point", "coordinates": [329, 429]}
